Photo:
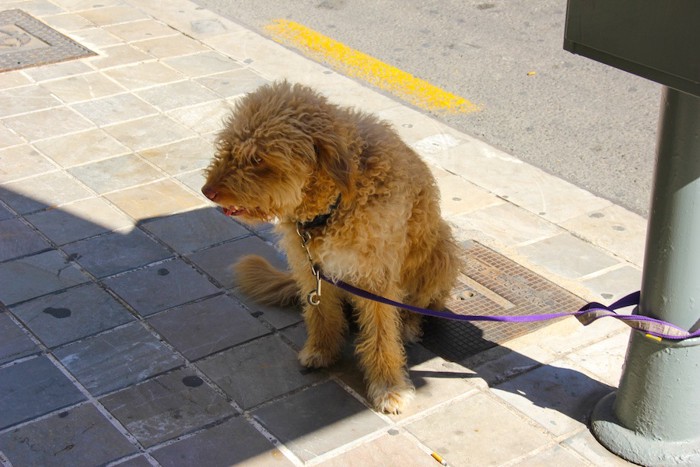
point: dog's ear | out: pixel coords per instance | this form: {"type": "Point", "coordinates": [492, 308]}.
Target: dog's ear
{"type": "Point", "coordinates": [333, 158]}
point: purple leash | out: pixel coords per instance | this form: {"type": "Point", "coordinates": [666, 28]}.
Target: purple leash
{"type": "Point", "coordinates": [586, 315]}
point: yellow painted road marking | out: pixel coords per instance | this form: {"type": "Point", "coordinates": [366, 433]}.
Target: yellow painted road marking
{"type": "Point", "coordinates": [356, 64]}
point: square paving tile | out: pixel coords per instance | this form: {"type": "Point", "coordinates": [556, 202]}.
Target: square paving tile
{"type": "Point", "coordinates": [180, 157]}
{"type": "Point", "coordinates": [68, 438]}
{"type": "Point", "coordinates": [113, 15]}
{"type": "Point", "coordinates": [37, 275]}
{"type": "Point", "coordinates": [161, 286]}
{"type": "Point", "coordinates": [233, 83]}
{"type": "Point", "coordinates": [114, 109]}
{"type": "Point", "coordinates": [395, 448]}
{"type": "Point", "coordinates": [44, 191]}
{"type": "Point", "coordinates": [33, 126]}
{"type": "Point", "coordinates": [318, 420]}
{"type": "Point", "coordinates": [203, 328]}
{"type": "Point", "coordinates": [175, 95]}
{"type": "Point", "coordinates": [33, 388]}
{"type": "Point", "coordinates": [203, 63]}
{"type": "Point", "coordinates": [80, 148]}
{"type": "Point", "coordinates": [258, 371]}
{"type": "Point", "coordinates": [167, 406]}
{"type": "Point", "coordinates": [25, 99]}
{"type": "Point", "coordinates": [155, 199]}
{"type": "Point", "coordinates": [79, 220]}
{"type": "Point", "coordinates": [170, 46]}
{"type": "Point", "coordinates": [118, 55]}
{"type": "Point", "coordinates": [18, 239]}
{"type": "Point", "coordinates": [72, 314]}
{"type": "Point", "coordinates": [245, 446]}
{"type": "Point", "coordinates": [464, 433]}
{"type": "Point", "coordinates": [83, 87]}
{"type": "Point", "coordinates": [140, 30]}
{"type": "Point", "coordinates": [557, 396]}
{"type": "Point", "coordinates": [194, 230]}
{"type": "Point", "coordinates": [118, 358]}
{"type": "Point", "coordinates": [217, 261]}
{"type": "Point", "coordinates": [116, 173]}
{"type": "Point", "coordinates": [149, 132]}
{"type": "Point", "coordinates": [14, 343]}
{"type": "Point", "coordinates": [203, 118]}
{"type": "Point", "coordinates": [116, 252]}
{"type": "Point", "coordinates": [19, 162]}
{"type": "Point", "coordinates": [144, 74]}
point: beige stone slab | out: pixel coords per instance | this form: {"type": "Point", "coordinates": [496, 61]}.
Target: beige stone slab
{"type": "Point", "coordinates": [57, 70]}
{"type": "Point", "coordinates": [25, 99]}
{"type": "Point", "coordinates": [614, 284]}
{"type": "Point", "coordinates": [394, 448]}
{"type": "Point", "coordinates": [67, 22]}
{"type": "Point", "coordinates": [95, 39]}
{"type": "Point", "coordinates": [82, 87]}
{"type": "Point", "coordinates": [113, 15]}
{"type": "Point", "coordinates": [233, 83]}
{"type": "Point", "coordinates": [183, 156]}
{"type": "Point", "coordinates": [193, 180]}
{"type": "Point", "coordinates": [80, 148]}
{"type": "Point", "coordinates": [142, 75]}
{"type": "Point", "coordinates": [149, 132]}
{"type": "Point", "coordinates": [115, 109]}
{"type": "Point", "coordinates": [147, 28]}
{"type": "Point", "coordinates": [116, 55]}
{"type": "Point", "coordinates": [48, 123]}
{"type": "Point", "coordinates": [615, 229]}
{"type": "Point", "coordinates": [8, 138]}
{"type": "Point", "coordinates": [156, 199]}
{"type": "Point", "coordinates": [190, 18]}
{"type": "Point", "coordinates": [203, 63]}
{"type": "Point", "coordinates": [415, 127]}
{"type": "Point", "coordinates": [504, 225]}
{"type": "Point", "coordinates": [458, 196]}
{"type": "Point", "coordinates": [589, 448]}
{"type": "Point", "coordinates": [604, 359]}
{"type": "Point", "coordinates": [464, 433]}
{"type": "Point", "coordinates": [48, 190]}
{"type": "Point", "coordinates": [175, 95]}
{"type": "Point", "coordinates": [203, 118]}
{"type": "Point", "coordinates": [22, 161]}
{"type": "Point", "coordinates": [555, 455]}
{"type": "Point", "coordinates": [169, 46]}
{"type": "Point", "coordinates": [13, 79]}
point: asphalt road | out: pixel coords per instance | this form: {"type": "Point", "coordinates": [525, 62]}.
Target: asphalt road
{"type": "Point", "coordinates": [585, 122]}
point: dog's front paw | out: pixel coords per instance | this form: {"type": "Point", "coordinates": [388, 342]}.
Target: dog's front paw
{"type": "Point", "coordinates": [313, 357]}
{"type": "Point", "coordinates": [391, 400]}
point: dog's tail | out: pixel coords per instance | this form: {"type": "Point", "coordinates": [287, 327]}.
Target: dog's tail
{"type": "Point", "coordinates": [265, 284]}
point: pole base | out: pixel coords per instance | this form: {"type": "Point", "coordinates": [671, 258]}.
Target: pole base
{"type": "Point", "coordinates": [635, 447]}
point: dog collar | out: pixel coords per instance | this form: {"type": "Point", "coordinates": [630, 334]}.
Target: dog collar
{"type": "Point", "coordinates": [321, 219]}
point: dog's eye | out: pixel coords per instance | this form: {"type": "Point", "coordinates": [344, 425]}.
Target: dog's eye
{"type": "Point", "coordinates": [256, 160]}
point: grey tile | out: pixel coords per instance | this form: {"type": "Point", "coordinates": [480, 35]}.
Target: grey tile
{"type": "Point", "coordinates": [19, 162]}
{"type": "Point", "coordinates": [116, 252]}
{"type": "Point", "coordinates": [138, 461]}
{"type": "Point", "coordinates": [115, 173]}
{"type": "Point", "coordinates": [558, 397]}
{"type": "Point", "coordinates": [18, 239]}
{"type": "Point", "coordinates": [204, 63]}
{"type": "Point", "coordinates": [194, 230]}
{"type": "Point", "coordinates": [233, 83]}
{"type": "Point", "coordinates": [33, 388]}
{"type": "Point", "coordinates": [174, 95]}
{"type": "Point", "coordinates": [167, 406]}
{"type": "Point", "coordinates": [5, 213]}
{"type": "Point", "coordinates": [203, 328]}
{"type": "Point", "coordinates": [78, 436]}
{"type": "Point", "coordinates": [114, 109]}
{"type": "Point", "coordinates": [118, 358]}
{"type": "Point", "coordinates": [37, 275]}
{"type": "Point", "coordinates": [217, 261]}
{"type": "Point", "coordinates": [161, 286]}
{"type": "Point", "coordinates": [47, 191]}
{"type": "Point", "coordinates": [79, 220]}
{"type": "Point", "coordinates": [258, 371]}
{"type": "Point", "coordinates": [244, 446]}
{"type": "Point", "coordinates": [303, 420]}
{"type": "Point", "coordinates": [72, 314]}
{"type": "Point", "coordinates": [182, 156]}
{"type": "Point", "coordinates": [14, 343]}
{"type": "Point", "coordinates": [466, 433]}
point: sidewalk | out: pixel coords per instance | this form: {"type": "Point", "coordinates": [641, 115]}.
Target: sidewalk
{"type": "Point", "coordinates": [122, 339]}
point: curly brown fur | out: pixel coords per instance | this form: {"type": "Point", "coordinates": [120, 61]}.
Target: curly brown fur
{"type": "Point", "coordinates": [286, 153]}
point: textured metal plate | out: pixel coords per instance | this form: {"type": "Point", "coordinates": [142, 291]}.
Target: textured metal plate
{"type": "Point", "coordinates": [493, 285]}
{"type": "Point", "coordinates": [27, 42]}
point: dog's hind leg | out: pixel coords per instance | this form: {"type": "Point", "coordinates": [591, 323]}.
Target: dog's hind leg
{"type": "Point", "coordinates": [382, 355]}
{"type": "Point", "coordinates": [325, 326]}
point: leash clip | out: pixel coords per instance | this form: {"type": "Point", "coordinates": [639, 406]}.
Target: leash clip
{"type": "Point", "coordinates": [313, 297]}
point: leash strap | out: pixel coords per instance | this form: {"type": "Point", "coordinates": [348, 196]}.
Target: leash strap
{"type": "Point", "coordinates": [589, 313]}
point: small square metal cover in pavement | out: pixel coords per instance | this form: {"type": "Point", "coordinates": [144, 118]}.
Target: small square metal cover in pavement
{"type": "Point", "coordinates": [27, 42]}
{"type": "Point", "coordinates": [491, 284]}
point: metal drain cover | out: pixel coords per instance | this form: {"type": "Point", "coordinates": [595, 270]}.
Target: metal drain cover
{"type": "Point", "coordinates": [493, 285]}
{"type": "Point", "coordinates": [26, 42]}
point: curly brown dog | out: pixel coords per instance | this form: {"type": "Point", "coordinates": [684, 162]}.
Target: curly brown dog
{"type": "Point", "coordinates": [370, 208]}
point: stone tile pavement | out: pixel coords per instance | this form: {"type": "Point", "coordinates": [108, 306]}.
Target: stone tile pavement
{"type": "Point", "coordinates": [123, 340]}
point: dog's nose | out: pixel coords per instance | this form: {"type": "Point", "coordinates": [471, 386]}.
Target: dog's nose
{"type": "Point", "coordinates": [209, 192]}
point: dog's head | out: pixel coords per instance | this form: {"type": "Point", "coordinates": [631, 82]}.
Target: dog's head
{"type": "Point", "coordinates": [281, 142]}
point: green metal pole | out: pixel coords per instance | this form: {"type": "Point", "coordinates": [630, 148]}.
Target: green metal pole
{"type": "Point", "coordinates": [654, 417]}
